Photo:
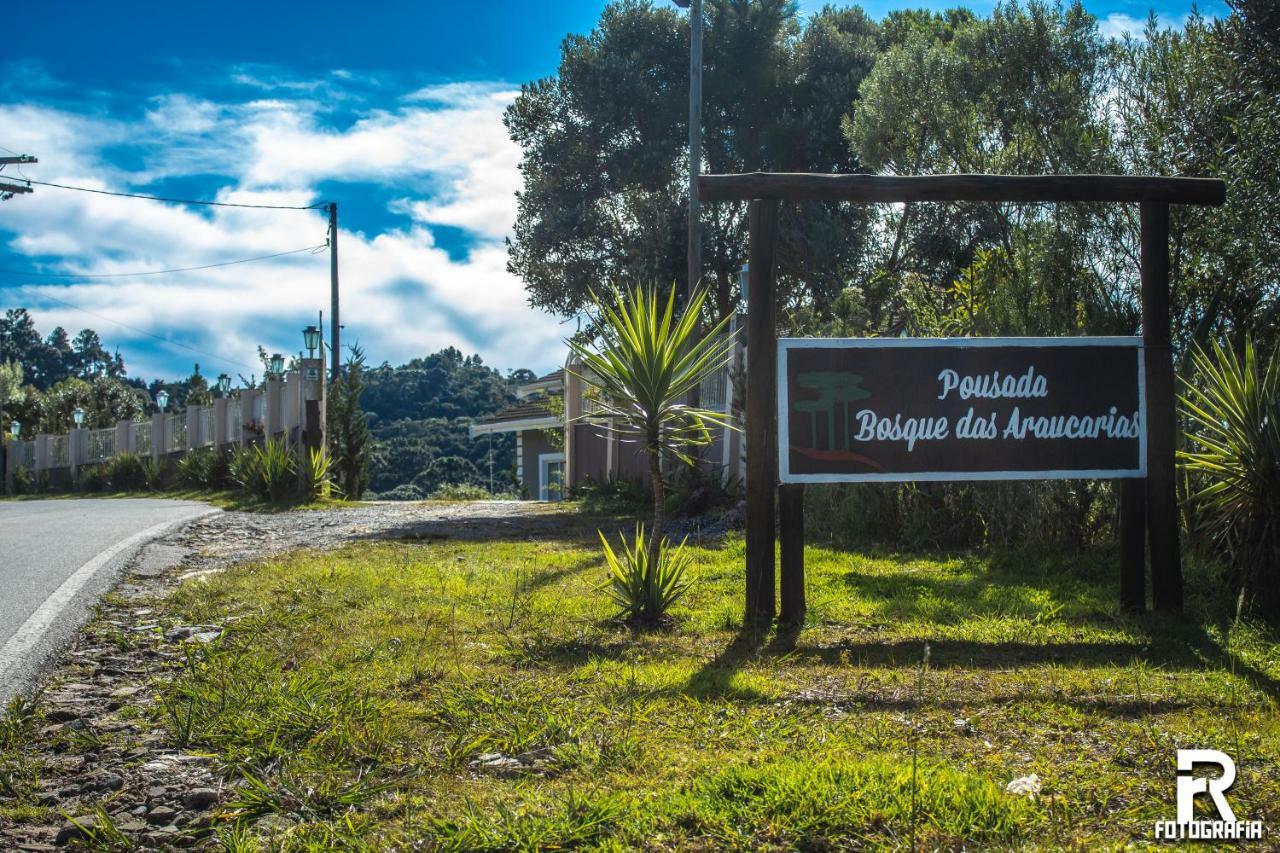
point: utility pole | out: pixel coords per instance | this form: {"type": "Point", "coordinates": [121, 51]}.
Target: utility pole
{"type": "Point", "coordinates": [8, 190]}
{"type": "Point", "coordinates": [695, 141]}
{"type": "Point", "coordinates": [334, 346]}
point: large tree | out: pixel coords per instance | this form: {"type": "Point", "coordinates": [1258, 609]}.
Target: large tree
{"type": "Point", "coordinates": [605, 149]}
{"type": "Point", "coordinates": [1017, 93]}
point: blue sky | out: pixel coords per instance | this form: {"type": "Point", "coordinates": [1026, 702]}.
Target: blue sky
{"type": "Point", "coordinates": [391, 108]}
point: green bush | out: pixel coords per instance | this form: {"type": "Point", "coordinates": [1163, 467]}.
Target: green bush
{"type": "Point", "coordinates": [127, 472]}
{"type": "Point", "coordinates": [267, 471]}
{"type": "Point", "coordinates": [642, 586]}
{"type": "Point", "coordinates": [403, 492]}
{"type": "Point", "coordinates": [922, 516]}
{"type": "Point", "coordinates": [694, 490]}
{"type": "Point", "coordinates": [155, 473]}
{"type": "Point", "coordinates": [1233, 406]}
{"type": "Point", "coordinates": [461, 492]}
{"type": "Point", "coordinates": [204, 468]}
{"type": "Point", "coordinates": [243, 468]}
{"type": "Point", "coordinates": [317, 475]}
{"type": "Point", "coordinates": [613, 496]}
{"type": "Point", "coordinates": [93, 478]}
{"type": "Point", "coordinates": [23, 482]}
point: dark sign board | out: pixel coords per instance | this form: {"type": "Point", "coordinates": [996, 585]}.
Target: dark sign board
{"type": "Point", "coordinates": [898, 409]}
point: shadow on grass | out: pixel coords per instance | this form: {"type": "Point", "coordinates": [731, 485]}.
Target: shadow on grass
{"type": "Point", "coordinates": [495, 525]}
{"type": "Point", "coordinates": [545, 579]}
{"type": "Point", "coordinates": [752, 642]}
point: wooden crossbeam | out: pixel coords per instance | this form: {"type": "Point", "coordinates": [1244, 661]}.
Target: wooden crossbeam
{"type": "Point", "coordinates": [887, 189]}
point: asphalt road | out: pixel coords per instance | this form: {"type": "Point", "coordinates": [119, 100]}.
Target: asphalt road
{"type": "Point", "coordinates": [56, 558]}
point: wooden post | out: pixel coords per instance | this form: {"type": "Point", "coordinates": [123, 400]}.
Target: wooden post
{"type": "Point", "coordinates": [791, 534]}
{"type": "Point", "coordinates": [1133, 556]}
{"type": "Point", "coordinates": [762, 406]}
{"type": "Point", "coordinates": [1162, 500]}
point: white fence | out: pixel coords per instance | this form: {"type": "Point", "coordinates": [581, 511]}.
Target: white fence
{"type": "Point", "coordinates": [227, 423]}
{"type": "Point", "coordinates": [100, 444]}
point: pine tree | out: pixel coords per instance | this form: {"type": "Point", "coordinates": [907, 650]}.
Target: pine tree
{"type": "Point", "coordinates": [349, 439]}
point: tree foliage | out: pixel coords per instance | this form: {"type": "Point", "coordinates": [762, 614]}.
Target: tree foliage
{"type": "Point", "coordinates": [605, 148]}
{"type": "Point", "coordinates": [348, 427]}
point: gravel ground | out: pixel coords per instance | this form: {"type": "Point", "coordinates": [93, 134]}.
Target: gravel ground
{"type": "Point", "coordinates": [94, 749]}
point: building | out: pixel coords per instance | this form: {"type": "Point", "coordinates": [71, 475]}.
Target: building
{"type": "Point", "coordinates": [561, 444]}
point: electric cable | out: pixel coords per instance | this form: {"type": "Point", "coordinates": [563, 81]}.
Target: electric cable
{"type": "Point", "coordinates": [315, 206]}
{"type": "Point", "coordinates": [312, 249]}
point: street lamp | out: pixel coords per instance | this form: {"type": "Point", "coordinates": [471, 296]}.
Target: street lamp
{"type": "Point", "coordinates": [224, 384]}
{"type": "Point", "coordinates": [15, 429]}
{"type": "Point", "coordinates": [78, 417]}
{"type": "Point", "coordinates": [311, 336]}
{"type": "Point", "coordinates": [277, 364]}
{"type": "Point", "coordinates": [162, 399]}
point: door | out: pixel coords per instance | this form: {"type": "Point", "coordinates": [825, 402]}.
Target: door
{"type": "Point", "coordinates": [550, 476]}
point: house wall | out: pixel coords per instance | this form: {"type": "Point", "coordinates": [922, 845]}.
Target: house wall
{"type": "Point", "coordinates": [533, 443]}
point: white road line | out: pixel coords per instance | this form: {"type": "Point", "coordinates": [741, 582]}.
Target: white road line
{"type": "Point", "coordinates": [42, 619]}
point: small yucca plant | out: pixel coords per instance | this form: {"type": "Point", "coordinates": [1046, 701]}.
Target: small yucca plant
{"type": "Point", "coordinates": [317, 475]}
{"type": "Point", "coordinates": [277, 469]}
{"type": "Point", "coordinates": [1233, 405]}
{"type": "Point", "coordinates": [645, 581]}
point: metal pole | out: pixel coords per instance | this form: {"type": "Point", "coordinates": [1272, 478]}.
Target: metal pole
{"type": "Point", "coordinates": [695, 145]}
{"type": "Point", "coordinates": [335, 349]}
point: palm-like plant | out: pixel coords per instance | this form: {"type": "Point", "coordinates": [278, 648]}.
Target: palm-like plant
{"type": "Point", "coordinates": [1234, 409]}
{"type": "Point", "coordinates": [645, 363]}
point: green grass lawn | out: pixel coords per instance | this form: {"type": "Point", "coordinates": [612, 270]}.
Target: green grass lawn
{"type": "Point", "coordinates": [356, 689]}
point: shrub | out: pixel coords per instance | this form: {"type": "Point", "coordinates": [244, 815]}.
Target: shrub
{"type": "Point", "coordinates": [461, 492]}
{"type": "Point", "coordinates": [243, 468]}
{"type": "Point", "coordinates": [204, 468]}
{"type": "Point", "coordinates": [23, 483]}
{"type": "Point", "coordinates": [404, 492]}
{"type": "Point", "coordinates": [93, 478]}
{"type": "Point", "coordinates": [613, 495]}
{"type": "Point", "coordinates": [127, 472]}
{"type": "Point", "coordinates": [694, 490]}
{"type": "Point", "coordinates": [642, 586]}
{"type": "Point", "coordinates": [155, 473]}
{"type": "Point", "coordinates": [277, 470]}
{"type": "Point", "coordinates": [317, 475]}
{"type": "Point", "coordinates": [1233, 406]}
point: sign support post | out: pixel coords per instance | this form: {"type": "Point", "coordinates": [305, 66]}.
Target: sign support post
{"type": "Point", "coordinates": [762, 405]}
{"type": "Point", "coordinates": [791, 534]}
{"type": "Point", "coordinates": [1162, 428]}
{"type": "Point", "coordinates": [1154, 506]}
{"type": "Point", "coordinates": [1133, 537]}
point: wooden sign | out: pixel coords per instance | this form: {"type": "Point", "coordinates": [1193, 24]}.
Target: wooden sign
{"type": "Point", "coordinates": [900, 409]}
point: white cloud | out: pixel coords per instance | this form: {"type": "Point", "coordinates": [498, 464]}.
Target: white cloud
{"type": "Point", "coordinates": [442, 151]}
{"type": "Point", "coordinates": [1118, 25]}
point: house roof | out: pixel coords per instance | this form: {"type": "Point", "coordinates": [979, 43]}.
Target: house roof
{"type": "Point", "coordinates": [553, 381]}
{"type": "Point", "coordinates": [524, 415]}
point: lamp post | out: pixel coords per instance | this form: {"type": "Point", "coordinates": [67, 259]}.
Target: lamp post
{"type": "Point", "coordinates": [77, 415]}
{"type": "Point", "coordinates": [277, 365]}
{"type": "Point", "coordinates": [15, 429]}
{"type": "Point", "coordinates": [311, 337]}
{"type": "Point", "coordinates": [162, 399]}
{"type": "Point", "coordinates": [224, 385]}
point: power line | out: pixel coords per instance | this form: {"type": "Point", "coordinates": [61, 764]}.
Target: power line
{"type": "Point", "coordinates": [315, 206]}
{"type": "Point", "coordinates": [161, 338]}
{"type": "Point", "coordinates": [311, 249]}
